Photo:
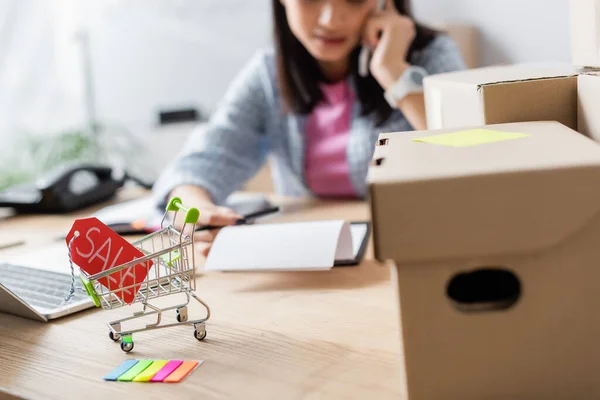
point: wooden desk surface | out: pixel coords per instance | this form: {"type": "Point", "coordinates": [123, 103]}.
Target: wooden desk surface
{"type": "Point", "coordinates": [303, 335]}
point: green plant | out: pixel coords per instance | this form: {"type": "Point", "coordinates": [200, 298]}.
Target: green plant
{"type": "Point", "coordinates": [11, 178]}
{"type": "Point", "coordinates": [29, 156]}
{"type": "Point", "coordinates": [64, 147]}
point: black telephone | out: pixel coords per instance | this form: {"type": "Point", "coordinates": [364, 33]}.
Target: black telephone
{"type": "Point", "coordinates": [64, 189]}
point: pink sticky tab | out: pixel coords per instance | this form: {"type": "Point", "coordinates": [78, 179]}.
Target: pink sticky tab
{"type": "Point", "coordinates": [166, 370]}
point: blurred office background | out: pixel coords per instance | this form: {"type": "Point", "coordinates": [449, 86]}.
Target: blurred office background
{"type": "Point", "coordinates": [110, 67]}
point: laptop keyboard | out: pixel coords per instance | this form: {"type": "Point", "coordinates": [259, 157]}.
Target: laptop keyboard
{"type": "Point", "coordinates": [40, 288]}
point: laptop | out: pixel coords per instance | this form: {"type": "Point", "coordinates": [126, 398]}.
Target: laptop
{"type": "Point", "coordinates": [34, 284]}
{"type": "Point", "coordinates": [39, 294]}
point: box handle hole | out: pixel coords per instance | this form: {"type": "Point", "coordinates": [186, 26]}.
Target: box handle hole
{"type": "Point", "coordinates": [383, 142]}
{"type": "Point", "coordinates": [378, 161]}
{"type": "Point", "coordinates": [484, 289]}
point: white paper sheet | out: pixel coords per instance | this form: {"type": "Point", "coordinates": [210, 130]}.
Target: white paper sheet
{"type": "Point", "coordinates": [358, 232]}
{"type": "Point", "coordinates": [130, 211]}
{"type": "Point", "coordinates": [281, 247]}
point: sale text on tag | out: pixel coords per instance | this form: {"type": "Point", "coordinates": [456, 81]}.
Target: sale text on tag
{"type": "Point", "coordinates": [98, 248]}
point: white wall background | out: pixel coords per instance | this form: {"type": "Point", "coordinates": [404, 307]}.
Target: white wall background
{"type": "Point", "coordinates": [153, 54]}
{"type": "Point", "coordinates": [511, 31]}
{"type": "Point", "coordinates": [161, 54]}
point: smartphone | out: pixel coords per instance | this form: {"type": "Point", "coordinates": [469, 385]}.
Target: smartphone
{"type": "Point", "coordinates": [365, 53]}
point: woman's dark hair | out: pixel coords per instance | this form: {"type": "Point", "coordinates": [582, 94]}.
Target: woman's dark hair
{"type": "Point", "coordinates": [299, 73]}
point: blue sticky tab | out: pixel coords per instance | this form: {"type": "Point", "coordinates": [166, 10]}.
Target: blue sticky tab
{"type": "Point", "coordinates": [120, 370]}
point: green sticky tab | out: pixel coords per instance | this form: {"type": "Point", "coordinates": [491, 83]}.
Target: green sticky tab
{"type": "Point", "coordinates": [149, 372]}
{"type": "Point", "coordinates": [127, 339]}
{"type": "Point", "coordinates": [135, 371]}
{"type": "Point", "coordinates": [171, 257]}
{"type": "Point", "coordinates": [472, 137]}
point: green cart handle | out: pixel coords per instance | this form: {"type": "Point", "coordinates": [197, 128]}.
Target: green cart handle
{"type": "Point", "coordinates": [191, 214]}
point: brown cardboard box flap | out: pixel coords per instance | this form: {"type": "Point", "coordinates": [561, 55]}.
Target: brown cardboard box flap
{"type": "Point", "coordinates": [545, 99]}
{"type": "Point", "coordinates": [504, 73]}
{"type": "Point", "coordinates": [431, 201]}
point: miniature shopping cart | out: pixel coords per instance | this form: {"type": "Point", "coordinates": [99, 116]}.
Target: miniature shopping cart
{"type": "Point", "coordinates": [171, 255]}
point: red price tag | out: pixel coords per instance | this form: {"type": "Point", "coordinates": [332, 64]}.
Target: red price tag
{"type": "Point", "coordinates": [98, 248]}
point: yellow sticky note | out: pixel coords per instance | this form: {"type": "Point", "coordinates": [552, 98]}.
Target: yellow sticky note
{"type": "Point", "coordinates": [471, 137]}
{"type": "Point", "coordinates": [149, 372]}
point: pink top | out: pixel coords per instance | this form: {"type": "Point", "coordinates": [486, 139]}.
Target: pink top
{"type": "Point", "coordinates": [327, 132]}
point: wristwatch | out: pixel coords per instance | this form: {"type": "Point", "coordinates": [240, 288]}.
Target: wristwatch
{"type": "Point", "coordinates": [411, 81]}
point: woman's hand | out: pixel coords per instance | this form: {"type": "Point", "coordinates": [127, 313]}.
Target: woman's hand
{"type": "Point", "coordinates": [210, 214]}
{"type": "Point", "coordinates": [390, 34]}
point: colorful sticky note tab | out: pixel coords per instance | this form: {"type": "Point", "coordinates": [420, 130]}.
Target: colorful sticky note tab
{"type": "Point", "coordinates": [471, 137]}
{"type": "Point", "coordinates": [153, 371]}
{"type": "Point", "coordinates": [184, 370]}
{"type": "Point", "coordinates": [134, 371]}
{"type": "Point", "coordinates": [149, 372]}
{"type": "Point", "coordinates": [120, 370]}
{"type": "Point", "coordinates": [166, 370]}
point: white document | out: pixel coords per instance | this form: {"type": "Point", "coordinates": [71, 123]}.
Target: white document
{"type": "Point", "coordinates": [301, 246]}
{"type": "Point", "coordinates": [130, 211]}
{"type": "Point", "coordinates": [358, 232]}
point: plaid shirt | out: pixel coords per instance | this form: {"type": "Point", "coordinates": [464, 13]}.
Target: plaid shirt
{"type": "Point", "coordinates": [250, 126]}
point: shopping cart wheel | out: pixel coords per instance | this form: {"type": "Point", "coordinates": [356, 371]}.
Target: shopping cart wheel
{"type": "Point", "coordinates": [115, 337]}
{"type": "Point", "coordinates": [200, 333]}
{"type": "Point", "coordinates": [182, 314]}
{"type": "Point", "coordinates": [126, 346]}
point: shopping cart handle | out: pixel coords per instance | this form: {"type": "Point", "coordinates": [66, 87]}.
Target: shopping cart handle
{"type": "Point", "coordinates": [191, 214]}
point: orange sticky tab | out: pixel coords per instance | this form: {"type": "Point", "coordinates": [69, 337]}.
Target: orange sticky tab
{"type": "Point", "coordinates": [184, 370]}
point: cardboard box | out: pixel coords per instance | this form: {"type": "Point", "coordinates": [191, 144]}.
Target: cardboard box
{"type": "Point", "coordinates": [502, 94]}
{"type": "Point", "coordinates": [517, 93]}
{"type": "Point", "coordinates": [585, 32]}
{"type": "Point", "coordinates": [495, 261]}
